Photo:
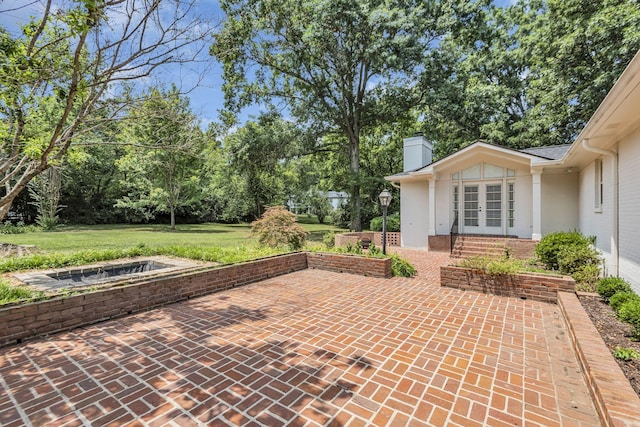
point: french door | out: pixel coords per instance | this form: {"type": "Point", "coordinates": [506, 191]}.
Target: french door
{"type": "Point", "coordinates": [482, 210]}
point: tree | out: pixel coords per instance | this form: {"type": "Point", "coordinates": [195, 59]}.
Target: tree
{"type": "Point", "coordinates": [258, 153]}
{"type": "Point", "coordinates": [531, 74]}
{"type": "Point", "coordinates": [161, 165]}
{"type": "Point", "coordinates": [575, 51]}
{"type": "Point", "coordinates": [61, 72]}
{"type": "Point", "coordinates": [341, 65]}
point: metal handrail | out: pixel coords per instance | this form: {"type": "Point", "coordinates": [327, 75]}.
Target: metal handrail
{"type": "Point", "coordinates": [453, 234]}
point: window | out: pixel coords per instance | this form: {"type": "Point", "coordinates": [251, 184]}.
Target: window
{"type": "Point", "coordinates": [599, 185]}
{"type": "Point", "coordinates": [494, 205]}
{"type": "Point", "coordinates": [456, 200]}
{"type": "Point", "coordinates": [471, 198]}
{"type": "Point", "coordinates": [511, 204]}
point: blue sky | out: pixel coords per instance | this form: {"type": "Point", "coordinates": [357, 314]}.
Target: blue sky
{"type": "Point", "coordinates": [206, 98]}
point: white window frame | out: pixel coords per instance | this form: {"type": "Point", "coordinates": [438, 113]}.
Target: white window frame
{"type": "Point", "coordinates": [598, 185]}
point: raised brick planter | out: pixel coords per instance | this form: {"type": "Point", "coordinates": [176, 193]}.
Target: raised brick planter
{"type": "Point", "coordinates": [539, 287]}
{"type": "Point", "coordinates": [372, 267]}
{"type": "Point", "coordinates": [25, 321]}
{"type": "Point", "coordinates": [614, 398]}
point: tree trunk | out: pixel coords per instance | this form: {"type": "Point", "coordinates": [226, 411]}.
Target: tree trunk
{"type": "Point", "coordinates": [173, 217]}
{"type": "Point", "coordinates": [354, 157]}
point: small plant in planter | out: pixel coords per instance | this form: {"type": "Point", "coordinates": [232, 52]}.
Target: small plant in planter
{"type": "Point", "coordinates": [625, 354]}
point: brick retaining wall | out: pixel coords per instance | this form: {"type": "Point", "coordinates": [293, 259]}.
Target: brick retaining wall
{"type": "Point", "coordinates": [372, 267]}
{"type": "Point", "coordinates": [25, 321]}
{"type": "Point", "coordinates": [539, 287]}
{"type": "Point", "coordinates": [615, 400]}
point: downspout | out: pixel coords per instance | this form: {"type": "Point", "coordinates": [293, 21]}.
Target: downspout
{"type": "Point", "coordinates": [615, 256]}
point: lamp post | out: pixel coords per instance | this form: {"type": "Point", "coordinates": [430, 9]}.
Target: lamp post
{"type": "Point", "coordinates": [385, 200]}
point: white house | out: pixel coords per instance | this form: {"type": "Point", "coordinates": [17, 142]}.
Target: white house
{"type": "Point", "coordinates": [592, 185]}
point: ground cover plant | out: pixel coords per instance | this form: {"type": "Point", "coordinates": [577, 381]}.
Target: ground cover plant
{"type": "Point", "coordinates": [616, 315]}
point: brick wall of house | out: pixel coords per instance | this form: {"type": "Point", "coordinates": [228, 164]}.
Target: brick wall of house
{"type": "Point", "coordinates": [539, 287]}
{"type": "Point", "coordinates": [25, 321]}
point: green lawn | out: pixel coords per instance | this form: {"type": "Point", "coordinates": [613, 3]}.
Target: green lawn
{"type": "Point", "coordinates": [97, 237]}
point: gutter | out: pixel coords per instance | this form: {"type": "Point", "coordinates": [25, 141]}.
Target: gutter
{"type": "Point", "coordinates": [615, 256]}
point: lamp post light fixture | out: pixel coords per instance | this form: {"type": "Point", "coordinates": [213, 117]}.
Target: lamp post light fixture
{"type": "Point", "coordinates": [385, 201]}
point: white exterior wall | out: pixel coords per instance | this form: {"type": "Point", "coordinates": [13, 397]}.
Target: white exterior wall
{"type": "Point", "coordinates": [414, 214]}
{"type": "Point", "coordinates": [524, 206]}
{"type": "Point", "coordinates": [443, 207]}
{"type": "Point", "coordinates": [593, 222]}
{"type": "Point", "coordinates": [629, 209]}
{"type": "Point", "coordinates": [559, 202]}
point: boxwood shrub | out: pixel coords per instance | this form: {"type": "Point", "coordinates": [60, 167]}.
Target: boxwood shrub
{"type": "Point", "coordinates": [609, 286]}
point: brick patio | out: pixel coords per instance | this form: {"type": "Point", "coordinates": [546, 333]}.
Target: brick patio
{"type": "Point", "coordinates": [309, 348]}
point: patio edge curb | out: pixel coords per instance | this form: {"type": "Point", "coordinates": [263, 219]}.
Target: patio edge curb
{"type": "Point", "coordinates": [615, 400]}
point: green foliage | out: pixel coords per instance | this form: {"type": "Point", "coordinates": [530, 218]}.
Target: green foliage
{"type": "Point", "coordinates": [161, 167]}
{"type": "Point", "coordinates": [625, 354]}
{"type": "Point", "coordinates": [19, 228]}
{"type": "Point", "coordinates": [494, 266]}
{"type": "Point", "coordinates": [9, 293]}
{"type": "Point", "coordinates": [630, 312]}
{"type": "Point", "coordinates": [586, 277]}
{"type": "Point", "coordinates": [279, 227]}
{"type": "Point", "coordinates": [401, 267]}
{"type": "Point", "coordinates": [329, 239]}
{"type": "Point", "coordinates": [64, 259]}
{"type": "Point", "coordinates": [393, 223]}
{"type": "Point", "coordinates": [550, 246]}
{"type": "Point", "coordinates": [609, 286]}
{"type": "Point", "coordinates": [619, 298]}
{"type": "Point", "coordinates": [318, 204]}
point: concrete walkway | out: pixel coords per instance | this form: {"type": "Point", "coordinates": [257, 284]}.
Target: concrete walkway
{"type": "Point", "coordinates": [309, 348]}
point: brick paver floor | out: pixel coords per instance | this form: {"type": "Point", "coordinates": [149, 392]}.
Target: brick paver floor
{"type": "Point", "coordinates": [309, 348]}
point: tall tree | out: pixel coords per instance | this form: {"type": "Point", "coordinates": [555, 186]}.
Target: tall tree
{"type": "Point", "coordinates": [530, 74]}
{"type": "Point", "coordinates": [257, 152]}
{"type": "Point", "coordinates": [162, 163]}
{"type": "Point", "coordinates": [341, 65]}
{"type": "Point", "coordinates": [64, 67]}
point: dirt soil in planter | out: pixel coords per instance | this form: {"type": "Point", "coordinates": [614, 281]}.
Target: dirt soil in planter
{"type": "Point", "coordinates": [614, 333]}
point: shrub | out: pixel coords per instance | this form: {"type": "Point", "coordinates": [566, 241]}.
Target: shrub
{"type": "Point", "coordinates": [401, 267]}
{"type": "Point", "coordinates": [8, 228]}
{"type": "Point", "coordinates": [393, 223]}
{"type": "Point", "coordinates": [549, 247]}
{"type": "Point", "coordinates": [626, 354]}
{"type": "Point", "coordinates": [630, 312]}
{"type": "Point", "coordinates": [619, 298]}
{"type": "Point", "coordinates": [609, 286]}
{"type": "Point", "coordinates": [329, 239]}
{"type": "Point", "coordinates": [586, 277]}
{"type": "Point", "coordinates": [279, 227]}
{"type": "Point", "coordinates": [574, 258]}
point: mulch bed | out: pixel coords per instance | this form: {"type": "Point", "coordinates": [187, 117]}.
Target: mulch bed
{"type": "Point", "coordinates": [614, 333]}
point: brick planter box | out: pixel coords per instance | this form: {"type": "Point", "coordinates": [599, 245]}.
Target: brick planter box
{"type": "Point", "coordinates": [372, 267]}
{"type": "Point", "coordinates": [536, 286]}
{"type": "Point", "coordinates": [20, 322]}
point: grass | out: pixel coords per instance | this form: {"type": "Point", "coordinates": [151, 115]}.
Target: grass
{"type": "Point", "coordinates": [117, 237]}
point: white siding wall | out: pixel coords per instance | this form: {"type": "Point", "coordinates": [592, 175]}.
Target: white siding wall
{"type": "Point", "coordinates": [559, 202]}
{"type": "Point", "coordinates": [592, 222]}
{"type": "Point", "coordinates": [414, 214]}
{"type": "Point", "coordinates": [443, 206]}
{"type": "Point", "coordinates": [524, 203]}
{"type": "Point", "coordinates": [629, 205]}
